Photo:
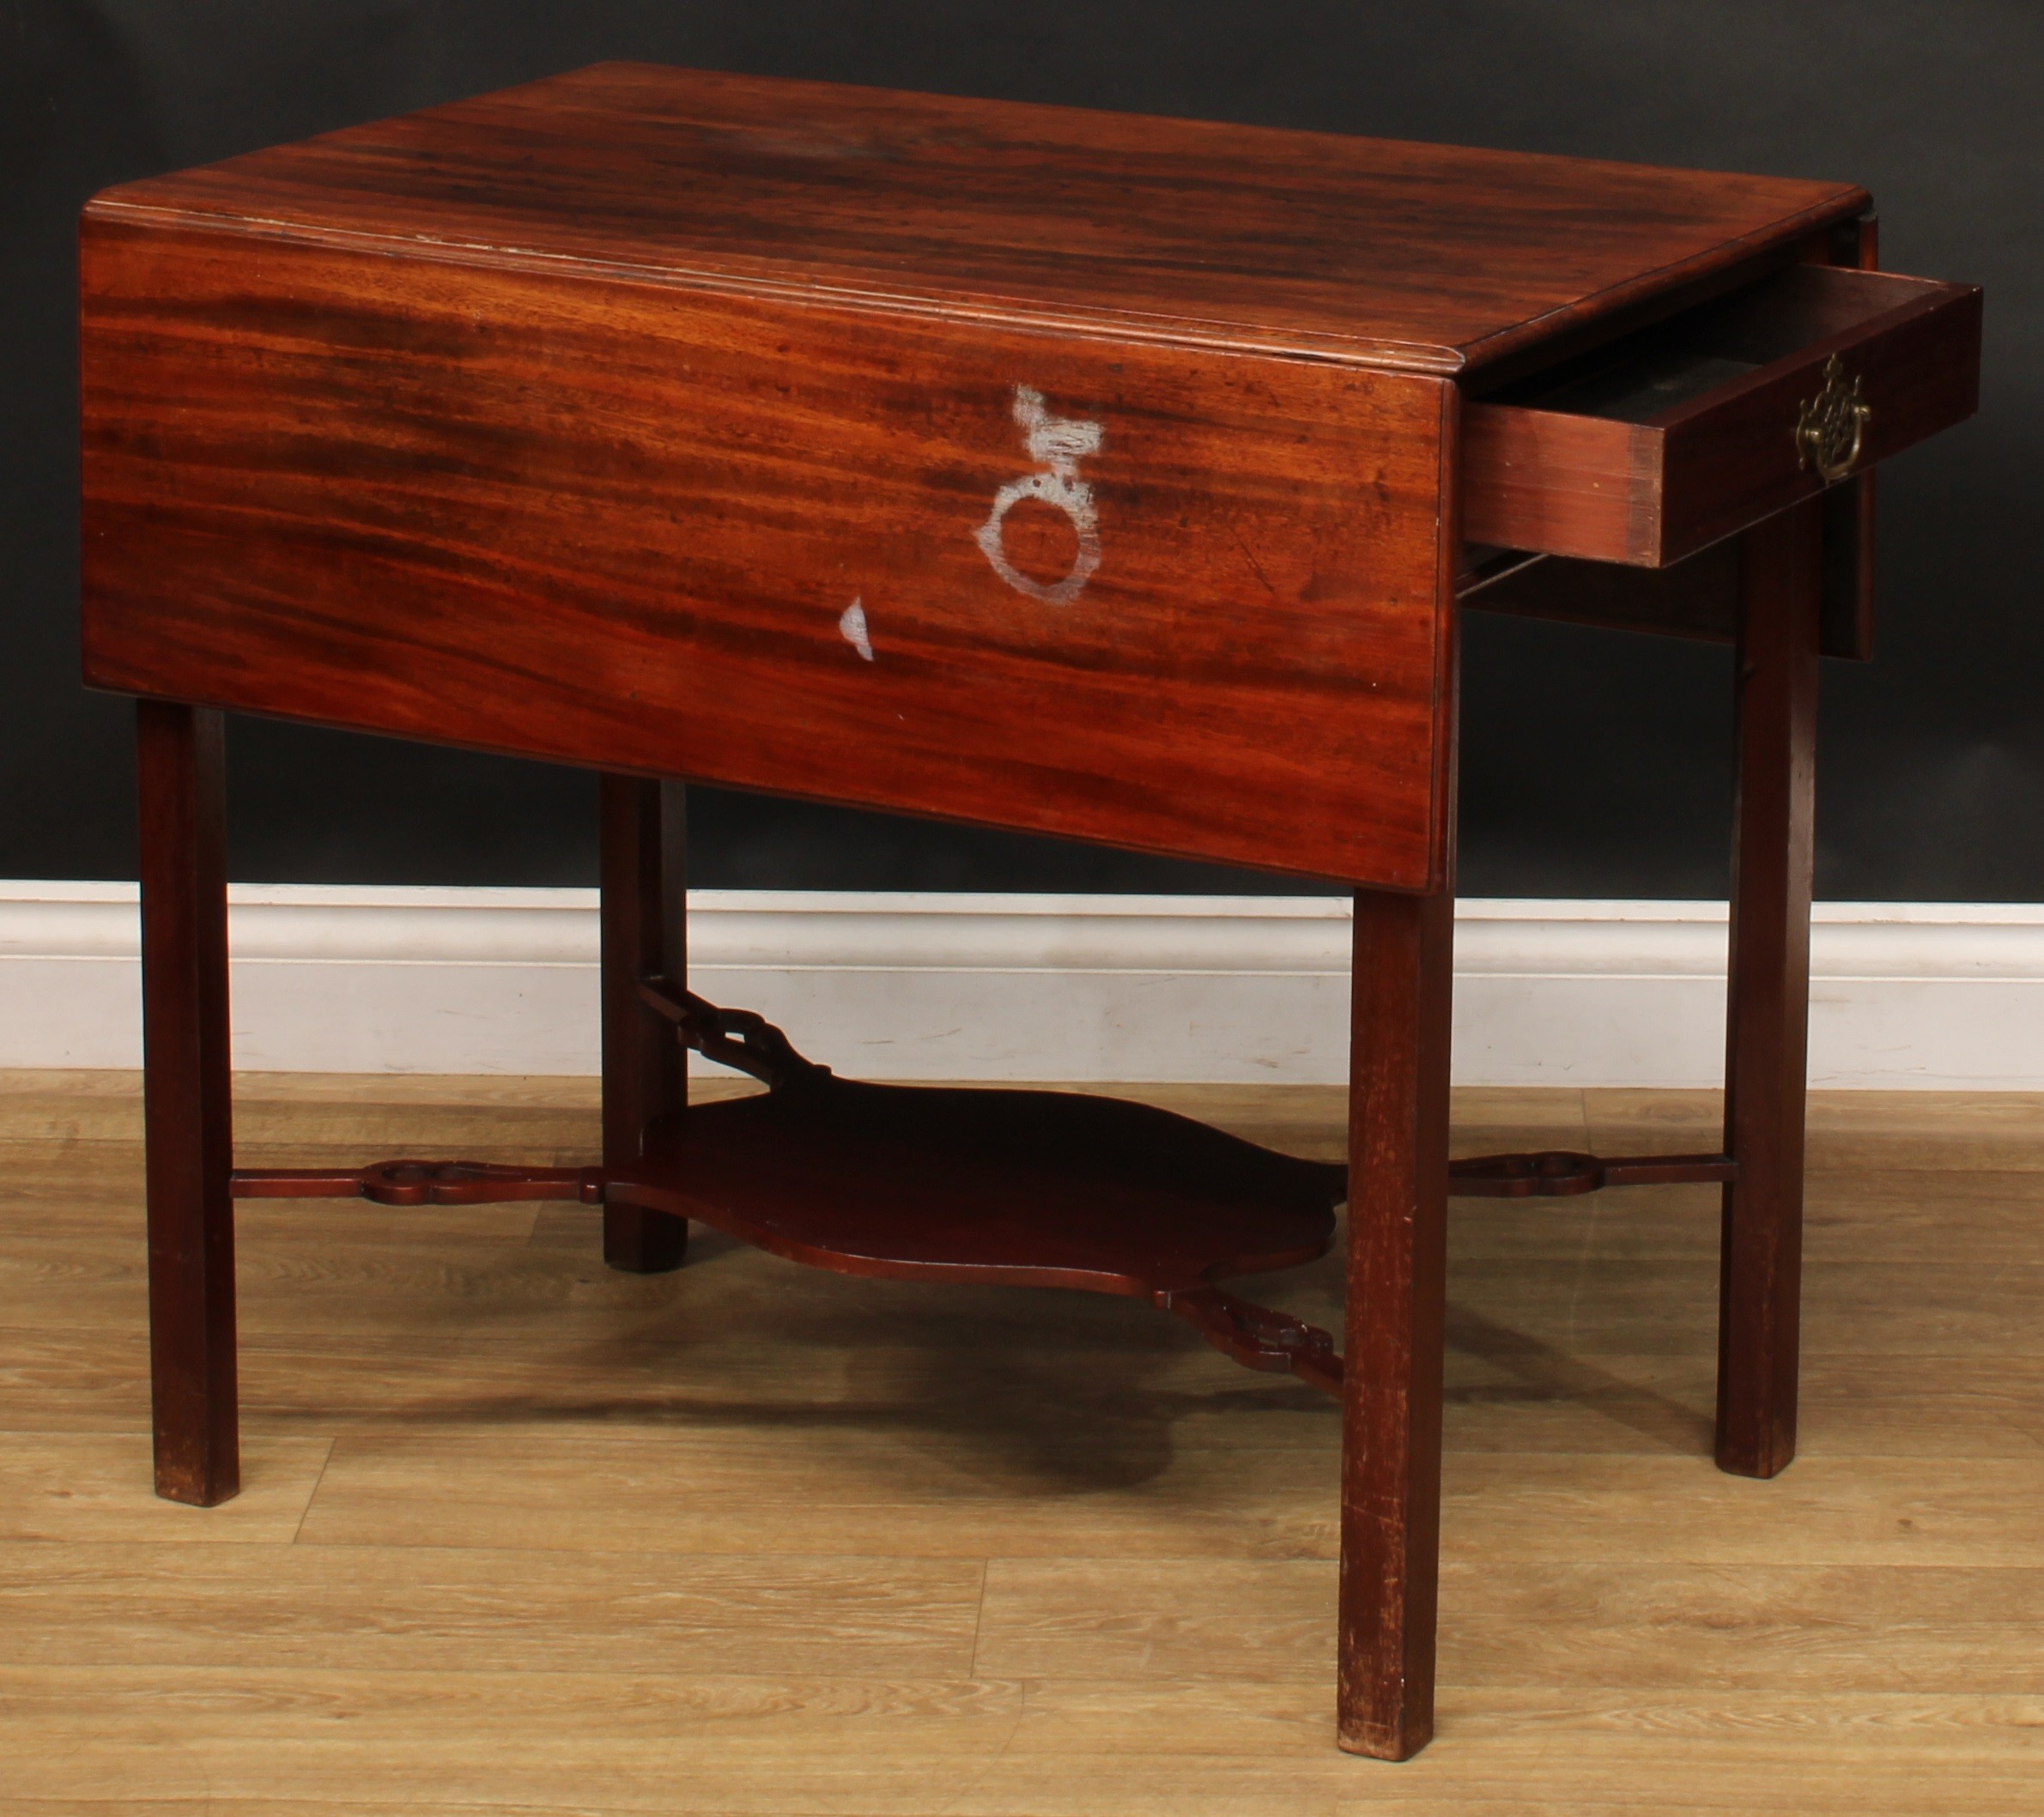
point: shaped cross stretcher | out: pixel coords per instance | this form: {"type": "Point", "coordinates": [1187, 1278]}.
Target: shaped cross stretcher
{"type": "Point", "coordinates": [985, 1185]}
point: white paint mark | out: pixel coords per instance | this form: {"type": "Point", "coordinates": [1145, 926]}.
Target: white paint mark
{"type": "Point", "coordinates": [853, 625]}
{"type": "Point", "coordinates": [1060, 443]}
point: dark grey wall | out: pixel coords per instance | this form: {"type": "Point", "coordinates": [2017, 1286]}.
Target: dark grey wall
{"type": "Point", "coordinates": [1595, 763]}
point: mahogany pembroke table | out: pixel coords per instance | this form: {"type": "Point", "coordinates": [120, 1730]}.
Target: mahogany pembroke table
{"type": "Point", "coordinates": [1116, 479]}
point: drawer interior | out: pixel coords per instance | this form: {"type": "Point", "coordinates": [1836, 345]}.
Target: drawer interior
{"type": "Point", "coordinates": [1649, 376]}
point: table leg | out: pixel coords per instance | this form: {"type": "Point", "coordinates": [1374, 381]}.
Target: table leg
{"type": "Point", "coordinates": [1398, 1215]}
{"type": "Point", "coordinates": [645, 932]}
{"type": "Point", "coordinates": [1767, 1020]}
{"type": "Point", "coordinates": [187, 1104]}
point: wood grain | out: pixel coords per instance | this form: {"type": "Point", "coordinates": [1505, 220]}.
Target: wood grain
{"type": "Point", "coordinates": [849, 1486]}
{"type": "Point", "coordinates": [1730, 462]}
{"type": "Point", "coordinates": [452, 1609]}
{"type": "Point", "coordinates": [187, 1097]}
{"type": "Point", "coordinates": [579, 518]}
{"type": "Point", "coordinates": [1563, 485]}
{"type": "Point", "coordinates": [999, 1187]}
{"type": "Point", "coordinates": [1850, 1132]}
{"type": "Point", "coordinates": [666, 424]}
{"type": "Point", "coordinates": [854, 1488]}
{"type": "Point", "coordinates": [1588, 1620]}
{"type": "Point", "coordinates": [583, 1563]}
{"type": "Point", "coordinates": [644, 913]}
{"type": "Point", "coordinates": [1403, 977]}
{"type": "Point", "coordinates": [1767, 1039]}
{"type": "Point", "coordinates": [1568, 474]}
{"type": "Point", "coordinates": [1194, 233]}
{"type": "Point", "coordinates": [79, 1485]}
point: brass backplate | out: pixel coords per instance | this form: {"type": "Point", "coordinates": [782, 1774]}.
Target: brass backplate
{"type": "Point", "coordinates": [1830, 426]}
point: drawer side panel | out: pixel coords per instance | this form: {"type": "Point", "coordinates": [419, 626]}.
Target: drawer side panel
{"type": "Point", "coordinates": [1563, 485]}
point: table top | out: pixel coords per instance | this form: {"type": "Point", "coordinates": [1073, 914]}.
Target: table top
{"type": "Point", "coordinates": [1426, 258]}
{"type": "Point", "coordinates": [1076, 473]}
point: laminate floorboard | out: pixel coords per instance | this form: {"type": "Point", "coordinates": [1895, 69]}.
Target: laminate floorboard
{"type": "Point", "coordinates": [520, 1535]}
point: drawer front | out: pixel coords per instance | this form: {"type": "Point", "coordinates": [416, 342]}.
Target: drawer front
{"type": "Point", "coordinates": [1650, 450]}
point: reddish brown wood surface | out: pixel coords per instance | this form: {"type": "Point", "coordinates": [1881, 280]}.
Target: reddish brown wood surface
{"type": "Point", "coordinates": [1397, 1287]}
{"type": "Point", "coordinates": [644, 934]}
{"type": "Point", "coordinates": [1565, 1172]}
{"type": "Point", "coordinates": [411, 1182]}
{"type": "Point", "coordinates": [575, 421]}
{"type": "Point", "coordinates": [1766, 1065]}
{"type": "Point", "coordinates": [187, 1102]}
{"type": "Point", "coordinates": [1059, 471]}
{"type": "Point", "coordinates": [1401, 1017]}
{"type": "Point", "coordinates": [1732, 457]}
{"type": "Point", "coordinates": [1574, 471]}
{"type": "Point", "coordinates": [1258, 1337]}
{"type": "Point", "coordinates": [622, 525]}
{"type": "Point", "coordinates": [1195, 233]}
{"type": "Point", "coordinates": [1002, 1188]}
{"type": "Point", "coordinates": [1846, 627]}
{"type": "Point", "coordinates": [1561, 484]}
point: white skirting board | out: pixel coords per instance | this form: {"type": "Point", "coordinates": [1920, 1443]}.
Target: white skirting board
{"type": "Point", "coordinates": [1221, 989]}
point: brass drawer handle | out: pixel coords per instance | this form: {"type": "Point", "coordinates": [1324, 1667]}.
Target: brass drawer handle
{"type": "Point", "coordinates": [1829, 426]}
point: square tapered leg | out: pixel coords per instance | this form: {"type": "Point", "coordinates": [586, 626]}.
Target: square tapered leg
{"type": "Point", "coordinates": [1397, 1276]}
{"type": "Point", "coordinates": [1766, 1069]}
{"type": "Point", "coordinates": [644, 934]}
{"type": "Point", "coordinates": [187, 1103]}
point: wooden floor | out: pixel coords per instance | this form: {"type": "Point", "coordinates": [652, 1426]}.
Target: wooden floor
{"type": "Point", "coordinates": [520, 1535]}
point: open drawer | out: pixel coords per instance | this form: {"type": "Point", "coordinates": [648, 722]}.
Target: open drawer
{"type": "Point", "coordinates": [1652, 446]}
